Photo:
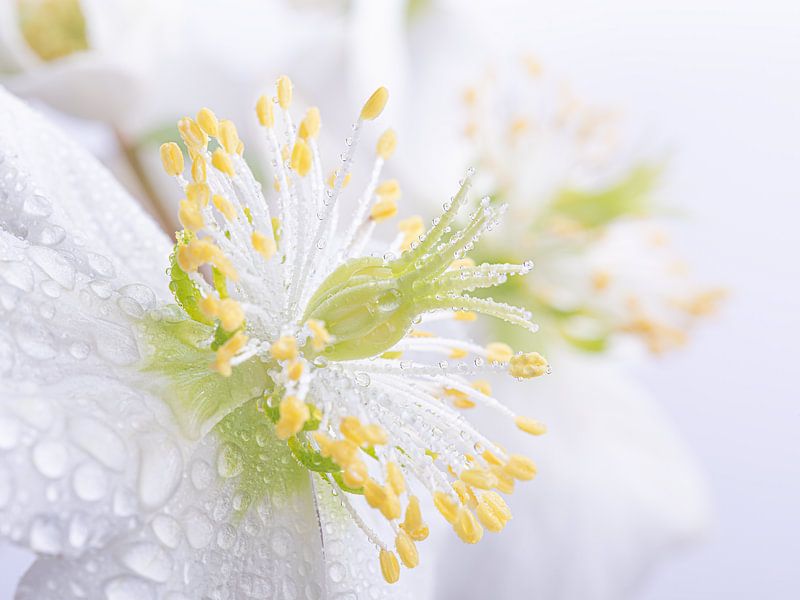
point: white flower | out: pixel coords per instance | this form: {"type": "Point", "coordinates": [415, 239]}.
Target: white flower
{"type": "Point", "coordinates": [142, 450]}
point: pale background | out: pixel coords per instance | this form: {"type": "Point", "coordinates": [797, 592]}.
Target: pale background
{"type": "Point", "coordinates": [719, 83]}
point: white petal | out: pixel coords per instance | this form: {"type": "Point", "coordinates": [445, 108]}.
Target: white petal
{"type": "Point", "coordinates": [616, 489]}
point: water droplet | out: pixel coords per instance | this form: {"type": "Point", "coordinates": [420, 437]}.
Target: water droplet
{"type": "Point", "coordinates": [50, 235]}
{"type": "Point", "coordinates": [50, 459]}
{"type": "Point", "coordinates": [100, 265]}
{"type": "Point", "coordinates": [147, 559]}
{"type": "Point", "coordinates": [167, 530]}
{"type": "Point", "coordinates": [389, 301]}
{"type": "Point", "coordinates": [45, 536]}
{"type": "Point", "coordinates": [54, 265]}
{"type": "Point", "coordinates": [199, 529]}
{"type": "Point", "coordinates": [99, 441]}
{"type": "Point", "coordinates": [37, 205]}
{"type": "Point", "coordinates": [102, 289]}
{"type": "Point", "coordinates": [362, 379]}
{"type": "Point", "coordinates": [9, 433]}
{"type": "Point", "coordinates": [160, 470]}
{"type": "Point", "coordinates": [126, 587]}
{"type": "Point", "coordinates": [17, 274]}
{"type": "Point", "coordinates": [90, 482]}
{"type": "Point", "coordinates": [79, 350]}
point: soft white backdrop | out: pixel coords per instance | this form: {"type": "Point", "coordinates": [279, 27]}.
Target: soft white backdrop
{"type": "Point", "coordinates": [718, 83]}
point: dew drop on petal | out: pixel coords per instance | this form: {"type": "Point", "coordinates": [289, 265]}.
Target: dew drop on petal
{"type": "Point", "coordinates": [199, 529]}
{"type": "Point", "coordinates": [148, 560]}
{"type": "Point", "coordinates": [90, 482]}
{"type": "Point", "coordinates": [50, 459]}
{"type": "Point", "coordinates": [127, 587]}
{"type": "Point", "coordinates": [160, 470]}
{"type": "Point", "coordinates": [167, 530]}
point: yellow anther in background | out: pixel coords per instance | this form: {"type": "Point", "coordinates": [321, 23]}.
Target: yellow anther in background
{"type": "Point", "coordinates": [222, 363]}
{"type": "Point", "coordinates": [386, 144]}
{"type": "Point", "coordinates": [199, 169]}
{"type": "Point", "coordinates": [295, 370]}
{"type": "Point", "coordinates": [264, 245]}
{"type": "Point", "coordinates": [413, 523]}
{"type": "Point", "coordinates": [374, 105]}
{"type": "Point", "coordinates": [462, 262]}
{"type": "Point", "coordinates": [458, 353]}
{"type": "Point", "coordinates": [467, 526]}
{"type": "Point", "coordinates": [293, 415]}
{"type": "Point", "coordinates": [284, 87]}
{"type": "Point", "coordinates": [343, 452]}
{"type": "Point", "coordinates": [332, 179]}
{"type": "Point", "coordinates": [446, 505]}
{"type": "Point", "coordinates": [388, 190]}
{"type": "Point", "coordinates": [309, 126]}
{"type": "Point", "coordinates": [194, 137]}
{"type": "Point", "coordinates": [498, 505]}
{"type": "Point", "coordinates": [319, 335]}
{"type": "Point", "coordinates": [411, 229]}
{"type": "Point", "coordinates": [464, 315]}
{"type": "Point", "coordinates": [382, 210]}
{"type": "Point", "coordinates": [351, 429]}
{"type": "Point", "coordinates": [189, 215]}
{"type": "Point", "coordinates": [505, 482]}
{"type": "Point", "coordinates": [406, 549]}
{"type": "Point", "coordinates": [265, 109]}
{"type": "Point", "coordinates": [301, 158]}
{"type": "Point", "coordinates": [240, 148]}
{"type": "Point", "coordinates": [374, 493]}
{"type": "Point", "coordinates": [390, 568]}
{"type": "Point", "coordinates": [529, 425]}
{"type": "Point", "coordinates": [479, 478]}
{"type": "Point", "coordinates": [228, 136]}
{"type": "Point", "coordinates": [464, 493]}
{"type": "Point", "coordinates": [483, 386]}
{"type": "Point", "coordinates": [488, 518]}
{"type": "Point", "coordinates": [196, 253]}
{"type": "Point", "coordinates": [520, 467]}
{"type": "Point", "coordinates": [390, 508]}
{"type": "Point", "coordinates": [208, 121]}
{"type": "Point", "coordinates": [172, 159]}
{"type": "Point", "coordinates": [528, 365]}
{"type": "Point", "coordinates": [222, 161]}
{"type": "Point", "coordinates": [499, 352]}
{"type": "Point", "coordinates": [490, 458]}
{"type": "Point", "coordinates": [224, 206]}
{"type": "Point", "coordinates": [199, 193]}
{"type": "Point", "coordinates": [209, 306]}
{"type": "Point", "coordinates": [284, 348]}
{"type": "Point", "coordinates": [231, 315]}
{"type": "Point", "coordinates": [395, 478]}
{"type": "Point", "coordinates": [355, 474]}
{"type": "Point", "coordinates": [323, 441]}
{"type": "Point", "coordinates": [375, 435]}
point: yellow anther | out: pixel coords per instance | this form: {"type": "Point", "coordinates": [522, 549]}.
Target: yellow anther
{"type": "Point", "coordinates": [458, 353]}
{"type": "Point", "coordinates": [464, 315]}
{"type": "Point", "coordinates": [390, 508]}
{"type": "Point", "coordinates": [189, 215]}
{"type": "Point", "coordinates": [224, 206]}
{"type": "Point", "coordinates": [479, 478]}
{"type": "Point", "coordinates": [388, 190]}
{"type": "Point", "coordinates": [529, 425]}
{"type": "Point", "coordinates": [533, 66]}
{"type": "Point", "coordinates": [323, 441]}
{"type": "Point", "coordinates": [343, 452]}
{"type": "Point", "coordinates": [284, 348]}
{"type": "Point", "coordinates": [284, 87]}
{"type": "Point", "coordinates": [374, 493]}
{"type": "Point", "coordinates": [301, 158]}
{"type": "Point", "coordinates": [199, 169]}
{"type": "Point", "coordinates": [196, 253]}
{"type": "Point", "coordinates": [231, 315]}
{"type": "Point", "coordinates": [319, 335]}
{"type": "Point", "coordinates": [355, 474]}
{"type": "Point", "coordinates": [406, 549]}
{"type": "Point", "coordinates": [276, 184]}
{"type": "Point", "coordinates": [265, 109]}
{"type": "Point", "coordinates": [209, 306]}
{"type": "Point", "coordinates": [293, 415]}
{"type": "Point", "coordinates": [488, 518]}
{"type": "Point", "coordinates": [390, 568]}
{"type": "Point", "coordinates": [491, 458]}
{"type": "Point", "coordinates": [295, 370]}
{"type": "Point", "coordinates": [483, 386]}
{"type": "Point", "coordinates": [199, 193]}
{"type": "Point", "coordinates": [462, 262]}
{"type": "Point", "coordinates": [194, 137]}
{"type": "Point", "coordinates": [520, 467]}
{"type": "Point", "coordinates": [374, 105]}
{"type": "Point", "coordinates": [467, 526]}
{"type": "Point", "coordinates": [460, 399]}
{"type": "Point", "coordinates": [499, 352]}
{"type": "Point", "coordinates": [528, 365]}
{"type": "Point", "coordinates": [382, 210]}
{"type": "Point", "coordinates": [332, 179]}
{"type": "Point", "coordinates": [386, 144]}
{"type": "Point", "coordinates": [222, 362]}
{"type": "Point", "coordinates": [285, 153]}
{"type": "Point", "coordinates": [375, 435]}
{"type": "Point", "coordinates": [498, 505]}
{"type": "Point", "coordinates": [240, 148]}
{"type": "Point", "coordinates": [413, 523]}
{"type": "Point", "coordinates": [395, 478]}
{"type": "Point", "coordinates": [464, 493]}
{"type": "Point", "coordinates": [208, 121]}
{"type": "Point", "coordinates": [446, 505]}
{"type": "Point", "coordinates": [222, 161]}
{"type": "Point", "coordinates": [172, 158]}
{"type": "Point", "coordinates": [309, 126]}
{"type": "Point", "coordinates": [411, 229]}
{"type": "Point", "coordinates": [505, 482]}
{"type": "Point", "coordinates": [351, 429]}
{"type": "Point", "coordinates": [228, 136]}
{"type": "Point", "coordinates": [601, 280]}
{"type": "Point", "coordinates": [419, 333]}
{"type": "Point", "coordinates": [264, 245]}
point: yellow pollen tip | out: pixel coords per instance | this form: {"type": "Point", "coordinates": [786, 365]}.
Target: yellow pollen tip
{"type": "Point", "coordinates": [301, 158]}
{"type": "Point", "coordinates": [191, 133]}
{"type": "Point", "coordinates": [172, 159]}
{"type": "Point", "coordinates": [208, 121]}
{"type": "Point", "coordinates": [483, 386]}
{"type": "Point", "coordinates": [231, 315]}
{"type": "Point", "coordinates": [222, 162]}
{"type": "Point", "coordinates": [222, 363]}
{"type": "Point", "coordinates": [389, 190]}
{"type": "Point", "coordinates": [351, 429]}
{"type": "Point", "coordinates": [295, 370]}
{"type": "Point", "coordinates": [375, 435]}
{"type": "Point", "coordinates": [209, 306]}
{"type": "Point", "coordinates": [413, 523]}
{"type": "Point", "coordinates": [189, 215]}
{"type": "Point", "coordinates": [458, 353]}
{"type": "Point", "coordinates": [382, 210]}
{"type": "Point", "coordinates": [464, 315]}
{"type": "Point", "coordinates": [199, 173]}
{"type": "Point", "coordinates": [228, 136]}
{"type": "Point", "coordinates": [528, 365]}
{"type": "Point", "coordinates": [265, 109]}
{"type": "Point", "coordinates": [446, 506]}
{"type": "Point", "coordinates": [332, 179]}
{"type": "Point", "coordinates": [479, 478]}
{"type": "Point", "coordinates": [467, 526]}
{"type": "Point", "coordinates": [520, 467]}
{"type": "Point", "coordinates": [284, 87]}
{"type": "Point", "coordinates": [406, 549]}
{"type": "Point", "coordinates": [374, 493]}
{"type": "Point", "coordinates": [264, 245]}
{"type": "Point", "coordinates": [395, 478]}
{"type": "Point", "coordinates": [488, 517]}
{"type": "Point", "coordinates": [529, 425]}
{"type": "Point", "coordinates": [309, 126]}
{"type": "Point", "coordinates": [224, 207]}
{"type": "Point", "coordinates": [390, 568]}
{"type": "Point", "coordinates": [293, 415]}
{"type": "Point", "coordinates": [375, 104]}
{"type": "Point", "coordinates": [319, 335]}
{"type": "Point", "coordinates": [490, 458]}
{"type": "Point", "coordinates": [387, 144]}
{"type": "Point", "coordinates": [499, 352]}
{"type": "Point", "coordinates": [198, 193]}
{"type": "Point", "coordinates": [284, 348]}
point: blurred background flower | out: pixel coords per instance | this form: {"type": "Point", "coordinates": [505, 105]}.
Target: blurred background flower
{"type": "Point", "coordinates": [710, 89]}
